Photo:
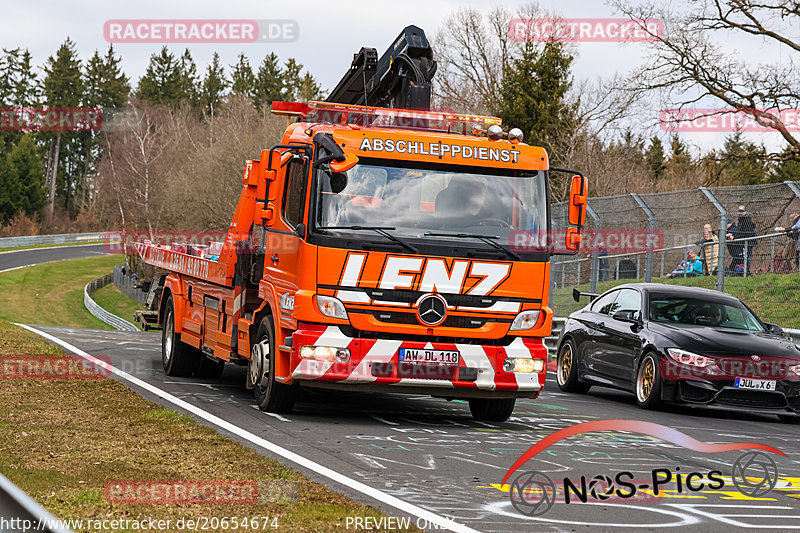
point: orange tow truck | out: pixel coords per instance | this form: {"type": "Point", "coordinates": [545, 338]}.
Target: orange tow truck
{"type": "Point", "coordinates": [374, 250]}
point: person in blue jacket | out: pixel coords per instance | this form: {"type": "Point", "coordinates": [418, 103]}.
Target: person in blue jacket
{"type": "Point", "coordinates": [689, 268]}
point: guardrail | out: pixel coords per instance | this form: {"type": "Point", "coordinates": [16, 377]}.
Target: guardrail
{"type": "Point", "coordinates": [63, 238]}
{"type": "Point", "coordinates": [15, 504]}
{"type": "Point", "coordinates": [109, 318]}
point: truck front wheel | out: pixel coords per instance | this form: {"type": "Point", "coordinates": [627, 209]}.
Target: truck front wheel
{"type": "Point", "coordinates": [271, 395]}
{"type": "Point", "coordinates": [177, 357]}
{"type": "Point", "coordinates": [492, 410]}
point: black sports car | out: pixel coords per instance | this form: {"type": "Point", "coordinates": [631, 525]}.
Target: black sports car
{"type": "Point", "coordinates": [668, 343]}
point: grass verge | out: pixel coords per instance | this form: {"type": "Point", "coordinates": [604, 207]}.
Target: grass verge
{"type": "Point", "coordinates": [62, 441]}
{"type": "Point", "coordinates": [114, 301]}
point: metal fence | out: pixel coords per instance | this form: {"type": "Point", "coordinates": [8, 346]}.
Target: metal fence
{"type": "Point", "coordinates": [749, 258]}
{"type": "Point", "coordinates": [128, 284]}
{"type": "Point", "coordinates": [64, 238]}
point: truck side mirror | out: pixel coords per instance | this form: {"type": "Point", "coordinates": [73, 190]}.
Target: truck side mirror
{"type": "Point", "coordinates": [349, 162]}
{"type": "Point", "coordinates": [578, 194]}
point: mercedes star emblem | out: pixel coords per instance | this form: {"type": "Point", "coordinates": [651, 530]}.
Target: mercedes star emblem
{"type": "Point", "coordinates": [431, 309]}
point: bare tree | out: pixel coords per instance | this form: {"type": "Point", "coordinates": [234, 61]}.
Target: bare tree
{"type": "Point", "coordinates": [687, 67]}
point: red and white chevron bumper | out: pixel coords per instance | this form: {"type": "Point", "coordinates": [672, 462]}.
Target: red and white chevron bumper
{"type": "Point", "coordinates": [375, 361]}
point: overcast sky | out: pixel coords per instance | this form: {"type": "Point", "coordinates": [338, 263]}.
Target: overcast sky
{"type": "Point", "coordinates": [329, 33]}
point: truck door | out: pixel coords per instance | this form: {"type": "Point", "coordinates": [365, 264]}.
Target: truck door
{"type": "Point", "coordinates": [282, 261]}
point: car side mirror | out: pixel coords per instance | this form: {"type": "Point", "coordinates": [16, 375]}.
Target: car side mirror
{"type": "Point", "coordinates": [626, 316]}
{"type": "Point", "coordinates": [775, 329]}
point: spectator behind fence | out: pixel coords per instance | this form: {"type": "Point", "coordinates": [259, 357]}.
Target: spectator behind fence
{"type": "Point", "coordinates": [709, 250]}
{"type": "Point", "coordinates": [744, 228]}
{"type": "Point", "coordinates": [792, 249]}
{"type": "Point", "coordinates": [690, 268]}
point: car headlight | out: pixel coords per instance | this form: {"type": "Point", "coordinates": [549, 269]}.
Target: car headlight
{"type": "Point", "coordinates": [331, 307]}
{"type": "Point", "coordinates": [689, 358]}
{"type": "Point", "coordinates": [795, 369]}
{"type": "Point", "coordinates": [525, 320]}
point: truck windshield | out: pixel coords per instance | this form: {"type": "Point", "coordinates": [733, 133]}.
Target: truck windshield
{"type": "Point", "coordinates": [432, 199]}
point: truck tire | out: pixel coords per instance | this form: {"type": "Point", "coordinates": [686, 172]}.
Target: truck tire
{"type": "Point", "coordinates": [492, 410]}
{"type": "Point", "coordinates": [208, 368]}
{"type": "Point", "coordinates": [177, 357]}
{"type": "Point", "coordinates": [271, 395]}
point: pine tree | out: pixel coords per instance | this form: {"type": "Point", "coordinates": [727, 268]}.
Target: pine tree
{"type": "Point", "coordinates": [654, 158]}
{"type": "Point", "coordinates": [243, 81]}
{"type": "Point", "coordinates": [309, 89]}
{"type": "Point", "coordinates": [162, 82]}
{"type": "Point", "coordinates": [787, 170]}
{"type": "Point", "coordinates": [106, 85]}
{"type": "Point", "coordinates": [8, 74]}
{"type": "Point", "coordinates": [189, 81]}
{"type": "Point", "coordinates": [63, 87]}
{"type": "Point", "coordinates": [743, 160]}
{"type": "Point", "coordinates": [26, 86]}
{"type": "Point", "coordinates": [269, 81]}
{"type": "Point", "coordinates": [291, 80]}
{"type": "Point", "coordinates": [25, 164]}
{"type": "Point", "coordinates": [533, 94]}
{"type": "Point", "coordinates": [214, 85]}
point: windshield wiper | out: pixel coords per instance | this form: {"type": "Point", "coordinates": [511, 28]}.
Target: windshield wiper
{"type": "Point", "coordinates": [488, 239]}
{"type": "Point", "coordinates": [380, 230]}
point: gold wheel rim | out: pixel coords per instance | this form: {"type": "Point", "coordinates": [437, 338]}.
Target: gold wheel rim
{"type": "Point", "coordinates": [646, 379]}
{"type": "Point", "coordinates": [566, 364]}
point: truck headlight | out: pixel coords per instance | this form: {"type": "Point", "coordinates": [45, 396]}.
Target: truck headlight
{"type": "Point", "coordinates": [328, 354]}
{"type": "Point", "coordinates": [331, 307]}
{"type": "Point", "coordinates": [525, 320]}
{"type": "Point", "coordinates": [523, 364]}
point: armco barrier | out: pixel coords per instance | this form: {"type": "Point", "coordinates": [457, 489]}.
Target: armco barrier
{"type": "Point", "coordinates": [64, 238]}
{"type": "Point", "coordinates": [14, 503]}
{"type": "Point", "coordinates": [99, 312]}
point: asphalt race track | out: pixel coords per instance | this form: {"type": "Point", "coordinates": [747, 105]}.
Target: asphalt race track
{"type": "Point", "coordinates": [431, 453]}
{"type": "Point", "coordinates": [20, 258]}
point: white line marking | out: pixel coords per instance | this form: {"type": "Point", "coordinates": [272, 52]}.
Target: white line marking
{"type": "Point", "coordinates": [17, 268]}
{"type": "Point", "coordinates": [51, 247]}
{"type": "Point", "coordinates": [397, 503]}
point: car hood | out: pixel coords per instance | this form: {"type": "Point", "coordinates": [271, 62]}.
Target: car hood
{"type": "Point", "coordinates": [705, 340]}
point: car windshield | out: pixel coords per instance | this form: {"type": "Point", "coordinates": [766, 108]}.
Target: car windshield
{"type": "Point", "coordinates": [681, 310]}
{"type": "Point", "coordinates": [411, 202]}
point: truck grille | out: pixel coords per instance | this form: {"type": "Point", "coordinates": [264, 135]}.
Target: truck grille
{"type": "Point", "coordinates": [450, 321]}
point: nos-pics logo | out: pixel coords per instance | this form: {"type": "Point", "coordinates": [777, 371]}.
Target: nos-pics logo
{"type": "Point", "coordinates": [754, 473]}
